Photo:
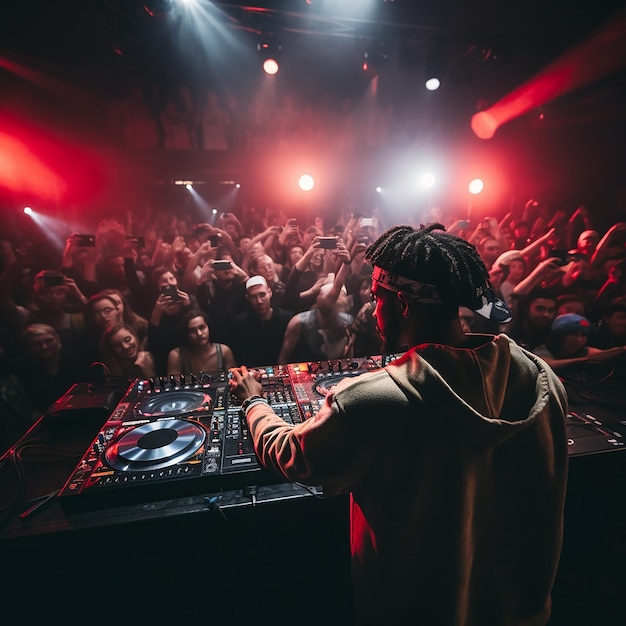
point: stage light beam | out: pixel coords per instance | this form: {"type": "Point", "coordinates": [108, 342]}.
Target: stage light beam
{"type": "Point", "coordinates": [601, 54]}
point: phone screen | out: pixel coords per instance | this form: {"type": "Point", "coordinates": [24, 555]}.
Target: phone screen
{"type": "Point", "coordinates": [222, 264]}
{"type": "Point", "coordinates": [328, 243]}
{"type": "Point", "coordinates": [53, 280]}
{"type": "Point", "coordinates": [170, 290]}
{"type": "Point", "coordinates": [86, 241]}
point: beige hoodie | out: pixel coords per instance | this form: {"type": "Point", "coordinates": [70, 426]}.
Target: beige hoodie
{"type": "Point", "coordinates": [456, 462]}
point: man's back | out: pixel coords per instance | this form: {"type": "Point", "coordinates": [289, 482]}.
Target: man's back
{"type": "Point", "coordinates": [457, 510]}
{"type": "Point", "coordinates": [454, 455]}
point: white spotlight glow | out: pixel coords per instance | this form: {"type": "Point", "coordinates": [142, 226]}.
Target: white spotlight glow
{"type": "Point", "coordinates": [28, 210]}
{"type": "Point", "coordinates": [270, 66]}
{"type": "Point", "coordinates": [432, 84]}
{"type": "Point", "coordinates": [188, 186]}
{"type": "Point", "coordinates": [379, 189]}
{"type": "Point", "coordinates": [214, 211]}
{"type": "Point", "coordinates": [475, 186]}
{"type": "Point", "coordinates": [306, 182]}
{"type": "Point", "coordinates": [427, 179]}
{"type": "Point", "coordinates": [238, 186]}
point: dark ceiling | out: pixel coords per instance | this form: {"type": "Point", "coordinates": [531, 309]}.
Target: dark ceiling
{"type": "Point", "coordinates": [526, 35]}
{"type": "Point", "coordinates": [489, 46]}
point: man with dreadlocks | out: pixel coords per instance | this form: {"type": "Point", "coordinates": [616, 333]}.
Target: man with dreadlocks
{"type": "Point", "coordinates": [457, 501]}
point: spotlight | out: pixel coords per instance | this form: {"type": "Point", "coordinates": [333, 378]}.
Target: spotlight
{"type": "Point", "coordinates": [434, 69]}
{"type": "Point", "coordinates": [475, 186]}
{"type": "Point", "coordinates": [375, 58]}
{"type": "Point", "coordinates": [270, 50]}
{"type": "Point", "coordinates": [28, 210]}
{"type": "Point", "coordinates": [306, 182]}
{"type": "Point", "coordinates": [427, 180]}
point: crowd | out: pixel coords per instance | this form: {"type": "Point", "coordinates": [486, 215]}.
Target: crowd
{"type": "Point", "coordinates": [274, 288]}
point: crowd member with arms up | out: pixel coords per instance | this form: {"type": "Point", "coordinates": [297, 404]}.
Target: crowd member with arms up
{"type": "Point", "coordinates": [441, 535]}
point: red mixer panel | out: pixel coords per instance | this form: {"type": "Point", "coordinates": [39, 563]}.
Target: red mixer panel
{"type": "Point", "coordinates": [174, 436]}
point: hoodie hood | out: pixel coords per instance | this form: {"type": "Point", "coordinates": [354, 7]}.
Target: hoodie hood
{"type": "Point", "coordinates": [482, 391]}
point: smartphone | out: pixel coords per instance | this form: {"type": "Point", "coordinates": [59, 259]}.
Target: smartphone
{"type": "Point", "coordinates": [292, 221]}
{"type": "Point", "coordinates": [53, 280]}
{"type": "Point", "coordinates": [170, 290]}
{"type": "Point", "coordinates": [138, 242]}
{"type": "Point", "coordinates": [363, 240]}
{"type": "Point", "coordinates": [85, 241]}
{"type": "Point", "coordinates": [561, 255]}
{"type": "Point", "coordinates": [367, 221]}
{"type": "Point", "coordinates": [463, 224]}
{"type": "Point", "coordinates": [214, 240]}
{"type": "Point", "coordinates": [222, 264]}
{"type": "Point", "coordinates": [328, 243]}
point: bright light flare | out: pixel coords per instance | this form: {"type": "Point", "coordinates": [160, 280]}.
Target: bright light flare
{"type": "Point", "coordinates": [601, 54]}
{"type": "Point", "coordinates": [432, 84]}
{"type": "Point", "coordinates": [270, 66]}
{"type": "Point", "coordinates": [475, 186]}
{"type": "Point", "coordinates": [306, 182]}
{"type": "Point", "coordinates": [427, 180]}
{"type": "Point", "coordinates": [28, 210]}
{"type": "Point", "coordinates": [22, 170]}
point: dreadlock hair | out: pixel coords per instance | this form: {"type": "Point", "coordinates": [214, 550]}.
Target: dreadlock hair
{"type": "Point", "coordinates": [430, 255]}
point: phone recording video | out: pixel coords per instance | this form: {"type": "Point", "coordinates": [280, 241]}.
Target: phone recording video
{"type": "Point", "coordinates": [85, 241]}
{"type": "Point", "coordinates": [214, 240]}
{"type": "Point", "coordinates": [222, 264]}
{"type": "Point", "coordinates": [171, 291]}
{"type": "Point", "coordinates": [328, 243]}
{"type": "Point", "coordinates": [53, 280]}
{"type": "Point", "coordinates": [560, 255]}
{"type": "Point", "coordinates": [367, 221]}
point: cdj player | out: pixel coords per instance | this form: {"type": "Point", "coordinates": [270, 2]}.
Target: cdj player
{"type": "Point", "coordinates": [175, 436]}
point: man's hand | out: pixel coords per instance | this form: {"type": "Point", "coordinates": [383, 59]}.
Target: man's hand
{"type": "Point", "coordinates": [243, 383]}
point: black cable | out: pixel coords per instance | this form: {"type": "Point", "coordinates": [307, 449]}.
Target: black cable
{"type": "Point", "coordinates": [7, 511]}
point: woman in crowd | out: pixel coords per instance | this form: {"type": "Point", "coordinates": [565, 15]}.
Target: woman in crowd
{"type": "Point", "coordinates": [129, 315]}
{"type": "Point", "coordinates": [170, 306]}
{"type": "Point", "coordinates": [306, 279]}
{"type": "Point", "coordinates": [121, 353]}
{"type": "Point", "coordinates": [196, 352]}
{"type": "Point", "coordinates": [110, 308]}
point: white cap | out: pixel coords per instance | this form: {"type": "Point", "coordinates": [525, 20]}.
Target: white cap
{"type": "Point", "coordinates": [254, 281]}
{"type": "Point", "coordinates": [506, 257]}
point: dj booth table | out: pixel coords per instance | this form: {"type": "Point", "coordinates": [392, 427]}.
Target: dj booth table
{"type": "Point", "coordinates": [254, 547]}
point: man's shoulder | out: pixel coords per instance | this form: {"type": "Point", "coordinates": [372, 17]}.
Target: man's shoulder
{"type": "Point", "coordinates": [369, 389]}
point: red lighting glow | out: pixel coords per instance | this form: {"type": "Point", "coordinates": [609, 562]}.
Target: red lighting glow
{"type": "Point", "coordinates": [598, 56]}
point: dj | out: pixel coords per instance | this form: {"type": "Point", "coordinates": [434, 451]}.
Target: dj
{"type": "Point", "coordinates": [455, 454]}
